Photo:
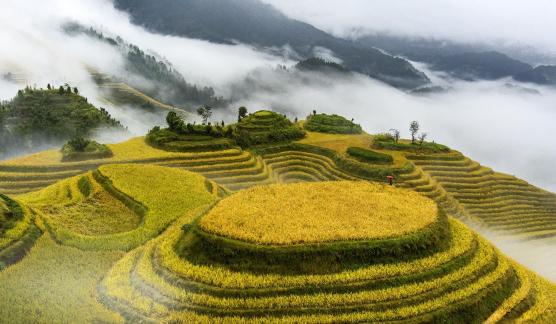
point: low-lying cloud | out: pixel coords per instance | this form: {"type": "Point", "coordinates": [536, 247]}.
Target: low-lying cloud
{"type": "Point", "coordinates": [510, 22]}
{"type": "Point", "coordinates": [504, 127]}
{"type": "Point", "coordinates": [38, 51]}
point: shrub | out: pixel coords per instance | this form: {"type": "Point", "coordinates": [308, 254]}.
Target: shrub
{"type": "Point", "coordinates": [384, 137]}
{"type": "Point", "coordinates": [426, 147]}
{"type": "Point", "coordinates": [193, 138]}
{"type": "Point", "coordinates": [80, 149]}
{"type": "Point", "coordinates": [369, 156]}
{"type": "Point", "coordinates": [331, 124]}
{"type": "Point", "coordinates": [265, 127]}
{"type": "Point", "coordinates": [386, 141]}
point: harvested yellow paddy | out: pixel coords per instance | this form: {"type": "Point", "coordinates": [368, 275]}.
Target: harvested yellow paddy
{"type": "Point", "coordinates": [319, 212]}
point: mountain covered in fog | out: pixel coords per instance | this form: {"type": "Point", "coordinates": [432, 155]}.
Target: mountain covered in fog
{"type": "Point", "coordinates": [468, 61]}
{"type": "Point", "coordinates": [152, 74]}
{"type": "Point", "coordinates": [253, 22]}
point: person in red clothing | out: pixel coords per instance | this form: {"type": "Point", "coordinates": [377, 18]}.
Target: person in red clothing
{"type": "Point", "coordinates": [390, 180]}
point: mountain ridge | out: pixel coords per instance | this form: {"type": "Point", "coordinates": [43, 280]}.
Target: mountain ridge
{"type": "Point", "coordinates": [253, 22]}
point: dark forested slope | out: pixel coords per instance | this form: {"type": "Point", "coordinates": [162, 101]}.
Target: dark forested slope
{"type": "Point", "coordinates": [256, 23]}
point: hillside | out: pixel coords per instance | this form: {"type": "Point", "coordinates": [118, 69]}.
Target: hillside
{"type": "Point", "coordinates": [256, 23]}
{"type": "Point", "coordinates": [37, 118]}
{"type": "Point", "coordinates": [316, 64]}
{"type": "Point", "coordinates": [483, 65]}
{"type": "Point", "coordinates": [542, 74]}
{"type": "Point", "coordinates": [150, 73]}
{"type": "Point", "coordinates": [149, 235]}
{"type": "Point", "coordinates": [469, 61]}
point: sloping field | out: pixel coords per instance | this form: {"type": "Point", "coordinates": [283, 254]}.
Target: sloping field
{"type": "Point", "coordinates": [498, 201]}
{"type": "Point", "coordinates": [17, 231]}
{"type": "Point", "coordinates": [115, 207]}
{"type": "Point", "coordinates": [463, 187]}
{"type": "Point", "coordinates": [31, 173]}
{"type": "Point", "coordinates": [142, 242]}
{"type": "Point", "coordinates": [88, 222]}
{"type": "Point", "coordinates": [190, 275]}
{"type": "Point", "coordinates": [122, 94]}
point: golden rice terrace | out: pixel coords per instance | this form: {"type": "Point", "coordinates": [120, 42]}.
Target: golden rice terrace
{"type": "Point", "coordinates": [319, 212]}
{"type": "Point", "coordinates": [294, 231]}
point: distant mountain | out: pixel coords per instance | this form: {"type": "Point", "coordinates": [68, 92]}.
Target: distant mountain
{"type": "Point", "coordinates": [424, 49]}
{"type": "Point", "coordinates": [543, 74]}
{"type": "Point", "coordinates": [468, 61]}
{"type": "Point", "coordinates": [253, 22]}
{"type": "Point", "coordinates": [483, 65]}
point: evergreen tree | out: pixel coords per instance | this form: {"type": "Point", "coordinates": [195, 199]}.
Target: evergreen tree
{"type": "Point", "coordinates": [242, 113]}
{"type": "Point", "coordinates": [413, 128]}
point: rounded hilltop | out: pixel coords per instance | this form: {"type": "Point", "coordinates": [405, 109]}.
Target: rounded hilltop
{"type": "Point", "coordinates": [333, 124]}
{"type": "Point", "coordinates": [319, 212]}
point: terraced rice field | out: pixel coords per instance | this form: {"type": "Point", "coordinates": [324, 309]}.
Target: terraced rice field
{"type": "Point", "coordinates": [181, 277]}
{"type": "Point", "coordinates": [18, 231]}
{"type": "Point", "coordinates": [233, 167]}
{"type": "Point", "coordinates": [155, 236]}
{"type": "Point", "coordinates": [498, 201]}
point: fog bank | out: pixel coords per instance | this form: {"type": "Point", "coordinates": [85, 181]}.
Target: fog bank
{"type": "Point", "coordinates": [507, 22]}
{"type": "Point", "coordinates": [504, 127]}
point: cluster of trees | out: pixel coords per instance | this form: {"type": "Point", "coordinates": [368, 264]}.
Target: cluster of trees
{"type": "Point", "coordinates": [62, 90]}
{"type": "Point", "coordinates": [413, 130]}
{"type": "Point", "coordinates": [391, 141]}
{"type": "Point", "coordinates": [245, 133]}
{"type": "Point", "coordinates": [48, 117]}
{"type": "Point", "coordinates": [177, 124]}
{"type": "Point", "coordinates": [80, 149]}
{"type": "Point", "coordinates": [319, 64]}
{"type": "Point", "coordinates": [165, 83]}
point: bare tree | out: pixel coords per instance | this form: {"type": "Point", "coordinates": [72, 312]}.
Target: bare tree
{"type": "Point", "coordinates": [205, 113]}
{"type": "Point", "coordinates": [414, 129]}
{"type": "Point", "coordinates": [422, 138]}
{"type": "Point", "coordinates": [395, 134]}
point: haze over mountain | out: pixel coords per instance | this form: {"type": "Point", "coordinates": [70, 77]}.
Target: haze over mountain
{"type": "Point", "coordinates": [475, 40]}
{"type": "Point", "coordinates": [464, 61]}
{"type": "Point", "coordinates": [252, 22]}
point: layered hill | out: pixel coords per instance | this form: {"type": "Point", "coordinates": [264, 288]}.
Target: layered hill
{"type": "Point", "coordinates": [282, 231]}
{"type": "Point", "coordinates": [194, 257]}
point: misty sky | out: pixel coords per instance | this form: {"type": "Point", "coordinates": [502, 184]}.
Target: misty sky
{"type": "Point", "coordinates": [507, 21]}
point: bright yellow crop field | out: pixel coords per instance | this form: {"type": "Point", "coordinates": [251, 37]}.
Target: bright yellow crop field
{"type": "Point", "coordinates": [341, 142]}
{"type": "Point", "coordinates": [55, 284]}
{"type": "Point", "coordinates": [131, 150]}
{"type": "Point", "coordinates": [99, 215]}
{"type": "Point", "coordinates": [319, 212]}
{"type": "Point", "coordinates": [139, 242]}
